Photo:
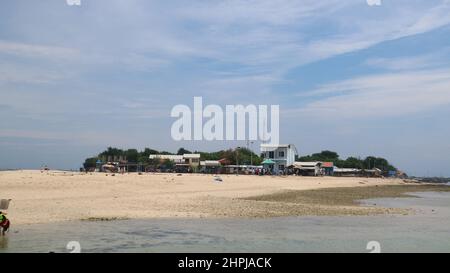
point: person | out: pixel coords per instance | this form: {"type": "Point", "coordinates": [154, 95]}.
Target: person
{"type": "Point", "coordinates": [4, 222]}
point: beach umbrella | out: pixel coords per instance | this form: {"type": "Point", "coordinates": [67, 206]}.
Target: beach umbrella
{"type": "Point", "coordinates": [268, 162]}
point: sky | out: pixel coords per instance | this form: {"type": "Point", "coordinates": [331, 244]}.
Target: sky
{"type": "Point", "coordinates": [349, 77]}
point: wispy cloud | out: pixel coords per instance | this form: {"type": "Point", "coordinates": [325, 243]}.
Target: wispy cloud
{"type": "Point", "coordinates": [429, 60]}
{"type": "Point", "coordinates": [20, 73]}
{"type": "Point", "coordinates": [379, 96]}
{"type": "Point", "coordinates": [37, 51]}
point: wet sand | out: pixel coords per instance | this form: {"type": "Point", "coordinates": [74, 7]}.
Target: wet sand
{"type": "Point", "coordinates": [61, 196]}
{"type": "Point", "coordinates": [426, 230]}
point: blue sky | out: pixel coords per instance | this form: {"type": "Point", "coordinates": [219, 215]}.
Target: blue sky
{"type": "Point", "coordinates": [358, 79]}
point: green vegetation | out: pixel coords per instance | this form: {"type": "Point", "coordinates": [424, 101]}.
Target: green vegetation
{"type": "Point", "coordinates": [239, 155]}
{"type": "Point", "coordinates": [242, 156]}
{"type": "Point", "coordinates": [369, 162]}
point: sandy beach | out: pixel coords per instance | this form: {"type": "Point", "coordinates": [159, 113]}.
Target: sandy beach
{"type": "Point", "coordinates": [43, 197]}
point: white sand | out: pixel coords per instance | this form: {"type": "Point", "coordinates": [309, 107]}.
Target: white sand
{"type": "Point", "coordinates": [59, 196]}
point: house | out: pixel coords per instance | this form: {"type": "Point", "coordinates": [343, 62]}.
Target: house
{"type": "Point", "coordinates": [307, 168]}
{"type": "Point", "coordinates": [186, 161]}
{"type": "Point", "coordinates": [192, 160]}
{"type": "Point", "coordinates": [210, 166]}
{"type": "Point", "coordinates": [278, 157]}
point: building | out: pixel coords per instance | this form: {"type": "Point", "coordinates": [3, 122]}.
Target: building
{"type": "Point", "coordinates": [210, 166]}
{"type": "Point", "coordinates": [347, 172]}
{"type": "Point", "coordinates": [186, 161]}
{"type": "Point", "coordinates": [278, 157]}
{"type": "Point", "coordinates": [192, 159]}
{"type": "Point", "coordinates": [307, 168]}
{"type": "Point", "coordinates": [328, 168]}
{"type": "Point", "coordinates": [375, 172]}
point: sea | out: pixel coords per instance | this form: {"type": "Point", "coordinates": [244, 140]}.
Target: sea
{"type": "Point", "coordinates": [427, 229]}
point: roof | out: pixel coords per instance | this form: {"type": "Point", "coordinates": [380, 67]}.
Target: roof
{"type": "Point", "coordinates": [191, 155]}
{"type": "Point", "coordinates": [327, 164]}
{"type": "Point", "coordinates": [374, 170]}
{"type": "Point", "coordinates": [346, 170]}
{"type": "Point", "coordinates": [306, 164]}
{"type": "Point", "coordinates": [175, 157]}
{"type": "Point", "coordinates": [211, 163]}
{"type": "Point", "coordinates": [271, 147]}
{"type": "Point", "coordinates": [169, 157]}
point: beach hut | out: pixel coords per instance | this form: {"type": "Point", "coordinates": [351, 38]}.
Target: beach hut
{"type": "Point", "coordinates": [328, 168]}
{"type": "Point", "coordinates": [307, 168]}
{"type": "Point", "coordinates": [210, 166]}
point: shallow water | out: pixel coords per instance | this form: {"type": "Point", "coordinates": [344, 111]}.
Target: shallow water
{"type": "Point", "coordinates": [428, 230]}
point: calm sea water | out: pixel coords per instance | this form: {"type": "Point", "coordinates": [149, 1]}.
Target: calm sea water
{"type": "Point", "coordinates": [426, 231]}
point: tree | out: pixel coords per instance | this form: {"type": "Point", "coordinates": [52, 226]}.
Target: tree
{"type": "Point", "coordinates": [183, 151]}
{"type": "Point", "coordinates": [132, 155]}
{"type": "Point", "coordinates": [369, 162]}
{"type": "Point", "coordinates": [112, 152]}
{"type": "Point", "coordinates": [353, 162]}
{"type": "Point", "coordinates": [378, 162]}
{"type": "Point", "coordinates": [167, 164]}
{"type": "Point", "coordinates": [147, 152]}
{"type": "Point", "coordinates": [247, 157]}
{"type": "Point", "coordinates": [325, 156]}
{"type": "Point", "coordinates": [328, 155]}
{"type": "Point", "coordinates": [90, 163]}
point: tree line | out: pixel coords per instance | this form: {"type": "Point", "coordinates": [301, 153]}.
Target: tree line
{"type": "Point", "coordinates": [242, 156]}
{"type": "Point", "coordinates": [369, 162]}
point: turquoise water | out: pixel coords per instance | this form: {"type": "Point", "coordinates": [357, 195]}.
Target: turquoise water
{"type": "Point", "coordinates": [428, 230]}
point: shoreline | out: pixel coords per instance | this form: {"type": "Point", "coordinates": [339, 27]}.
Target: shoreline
{"type": "Point", "coordinates": [59, 196]}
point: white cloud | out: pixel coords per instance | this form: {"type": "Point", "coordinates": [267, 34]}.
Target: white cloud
{"type": "Point", "coordinates": [37, 51]}
{"type": "Point", "coordinates": [269, 12]}
{"type": "Point", "coordinates": [378, 96]}
{"type": "Point", "coordinates": [19, 73]}
{"type": "Point", "coordinates": [267, 35]}
{"type": "Point", "coordinates": [402, 63]}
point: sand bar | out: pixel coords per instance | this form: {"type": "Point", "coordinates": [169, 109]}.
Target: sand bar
{"type": "Point", "coordinates": [60, 196]}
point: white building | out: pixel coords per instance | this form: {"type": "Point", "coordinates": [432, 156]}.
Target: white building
{"type": "Point", "coordinates": [192, 160]}
{"type": "Point", "coordinates": [278, 157]}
